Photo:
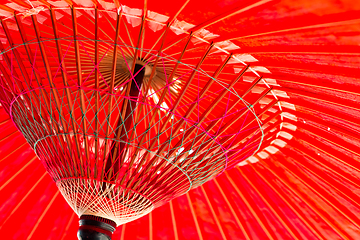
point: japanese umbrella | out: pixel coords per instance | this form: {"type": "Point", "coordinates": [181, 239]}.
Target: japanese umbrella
{"type": "Point", "coordinates": [132, 104]}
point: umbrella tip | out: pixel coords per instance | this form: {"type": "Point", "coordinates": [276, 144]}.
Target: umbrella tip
{"type": "Point", "coordinates": [95, 228]}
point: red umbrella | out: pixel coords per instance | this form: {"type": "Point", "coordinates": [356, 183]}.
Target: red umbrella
{"type": "Point", "coordinates": [289, 193]}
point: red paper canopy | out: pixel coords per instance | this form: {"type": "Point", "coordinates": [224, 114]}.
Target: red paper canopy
{"type": "Point", "coordinates": [301, 184]}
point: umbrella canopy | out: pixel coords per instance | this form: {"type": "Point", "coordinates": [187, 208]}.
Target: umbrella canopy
{"type": "Point", "coordinates": [302, 181]}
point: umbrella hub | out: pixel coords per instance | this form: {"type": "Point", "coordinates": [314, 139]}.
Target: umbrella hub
{"type": "Point", "coordinates": [147, 67]}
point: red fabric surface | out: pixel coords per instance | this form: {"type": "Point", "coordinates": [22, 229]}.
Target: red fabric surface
{"type": "Point", "coordinates": [308, 189]}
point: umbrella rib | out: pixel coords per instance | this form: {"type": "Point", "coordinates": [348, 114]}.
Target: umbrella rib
{"type": "Point", "coordinates": [108, 161]}
{"type": "Point", "coordinates": [62, 66]}
{"type": "Point", "coordinates": [309, 27]}
{"type": "Point", "coordinates": [80, 83]}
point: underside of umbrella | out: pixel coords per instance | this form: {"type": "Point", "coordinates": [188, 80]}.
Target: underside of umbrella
{"type": "Point", "coordinates": [132, 104]}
